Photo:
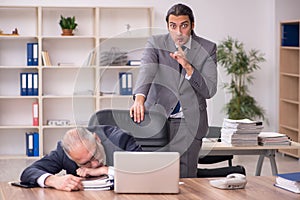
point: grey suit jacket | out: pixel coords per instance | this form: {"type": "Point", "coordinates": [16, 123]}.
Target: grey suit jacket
{"type": "Point", "coordinates": [159, 80]}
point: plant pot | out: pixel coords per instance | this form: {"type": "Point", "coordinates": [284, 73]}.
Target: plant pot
{"type": "Point", "coordinates": [67, 32]}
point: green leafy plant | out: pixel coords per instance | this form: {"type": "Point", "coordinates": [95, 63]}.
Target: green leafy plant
{"type": "Point", "coordinates": [67, 22]}
{"type": "Point", "coordinates": [239, 64]}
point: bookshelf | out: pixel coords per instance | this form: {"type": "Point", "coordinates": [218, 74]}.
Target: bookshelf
{"type": "Point", "coordinates": [69, 89]}
{"type": "Point", "coordinates": [289, 74]}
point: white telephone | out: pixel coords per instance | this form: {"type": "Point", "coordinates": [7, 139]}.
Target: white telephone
{"type": "Point", "coordinates": [231, 182]}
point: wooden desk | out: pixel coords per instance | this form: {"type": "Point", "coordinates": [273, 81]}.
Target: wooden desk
{"type": "Point", "coordinates": [211, 147]}
{"type": "Point", "coordinates": [258, 187]}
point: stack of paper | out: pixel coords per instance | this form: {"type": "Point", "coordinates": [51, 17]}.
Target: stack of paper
{"type": "Point", "coordinates": [273, 138]}
{"type": "Point", "coordinates": [114, 57]}
{"type": "Point", "coordinates": [242, 132]}
{"type": "Point", "coordinates": [98, 183]}
{"type": "Point", "coordinates": [289, 181]}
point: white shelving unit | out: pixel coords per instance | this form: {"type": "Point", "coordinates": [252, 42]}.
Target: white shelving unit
{"type": "Point", "coordinates": [69, 89]}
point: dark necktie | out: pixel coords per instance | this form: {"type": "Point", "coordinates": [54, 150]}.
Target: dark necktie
{"type": "Point", "coordinates": [177, 107]}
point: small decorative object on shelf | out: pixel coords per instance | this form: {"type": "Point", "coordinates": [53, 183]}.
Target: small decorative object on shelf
{"type": "Point", "coordinates": [13, 33]}
{"type": "Point", "coordinates": [67, 25]}
{"type": "Point", "coordinates": [128, 27]}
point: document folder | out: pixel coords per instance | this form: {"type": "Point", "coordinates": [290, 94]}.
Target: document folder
{"type": "Point", "coordinates": [32, 144]}
{"type": "Point", "coordinates": [29, 144]}
{"type": "Point", "coordinates": [35, 84]}
{"type": "Point", "coordinates": [290, 35]}
{"type": "Point", "coordinates": [134, 62]}
{"type": "Point", "coordinates": [32, 54]}
{"type": "Point", "coordinates": [35, 144]}
{"type": "Point", "coordinates": [35, 114]}
{"type": "Point", "coordinates": [125, 83]}
{"type": "Point", "coordinates": [23, 84]}
{"type": "Point", "coordinates": [29, 84]}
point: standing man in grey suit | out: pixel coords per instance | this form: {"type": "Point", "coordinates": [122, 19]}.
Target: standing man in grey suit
{"type": "Point", "coordinates": [178, 74]}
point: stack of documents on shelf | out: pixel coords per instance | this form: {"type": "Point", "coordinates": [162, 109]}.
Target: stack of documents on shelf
{"type": "Point", "coordinates": [273, 138]}
{"type": "Point", "coordinates": [114, 57]}
{"type": "Point", "coordinates": [289, 181]}
{"type": "Point", "coordinates": [243, 132]}
{"type": "Point", "coordinates": [98, 183]}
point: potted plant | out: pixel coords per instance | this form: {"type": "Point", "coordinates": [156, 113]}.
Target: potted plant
{"type": "Point", "coordinates": [239, 64]}
{"type": "Point", "coordinates": [67, 25]}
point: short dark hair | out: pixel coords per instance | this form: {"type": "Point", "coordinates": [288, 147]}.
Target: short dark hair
{"type": "Point", "coordinates": [180, 9]}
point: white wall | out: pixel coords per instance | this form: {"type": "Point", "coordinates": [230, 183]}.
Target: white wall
{"type": "Point", "coordinates": [251, 22]}
{"type": "Point", "coordinates": [254, 22]}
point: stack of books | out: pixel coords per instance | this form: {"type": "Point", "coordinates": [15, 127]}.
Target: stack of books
{"type": "Point", "coordinates": [289, 181]}
{"type": "Point", "coordinates": [273, 138]}
{"type": "Point", "coordinates": [46, 58]}
{"type": "Point", "coordinates": [243, 132]}
{"type": "Point", "coordinates": [91, 59]}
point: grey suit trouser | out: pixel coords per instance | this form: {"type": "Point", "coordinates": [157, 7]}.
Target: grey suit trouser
{"type": "Point", "coordinates": [184, 142]}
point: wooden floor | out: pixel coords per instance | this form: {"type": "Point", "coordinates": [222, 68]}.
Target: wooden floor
{"type": "Point", "coordinates": [11, 169]}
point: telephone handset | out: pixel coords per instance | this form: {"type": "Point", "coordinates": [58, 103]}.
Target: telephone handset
{"type": "Point", "coordinates": [232, 181]}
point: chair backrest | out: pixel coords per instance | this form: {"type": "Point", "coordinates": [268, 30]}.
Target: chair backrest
{"type": "Point", "coordinates": [213, 132]}
{"type": "Point", "coordinates": [151, 133]}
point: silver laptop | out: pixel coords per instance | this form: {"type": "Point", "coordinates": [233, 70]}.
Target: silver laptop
{"type": "Point", "coordinates": [146, 172]}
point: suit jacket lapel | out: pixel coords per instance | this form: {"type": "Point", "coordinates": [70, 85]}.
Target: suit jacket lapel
{"type": "Point", "coordinates": [191, 55]}
{"type": "Point", "coordinates": [170, 46]}
{"type": "Point", "coordinates": [195, 48]}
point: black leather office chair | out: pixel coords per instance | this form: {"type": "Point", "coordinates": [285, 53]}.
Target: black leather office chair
{"type": "Point", "coordinates": [151, 133]}
{"type": "Point", "coordinates": [215, 132]}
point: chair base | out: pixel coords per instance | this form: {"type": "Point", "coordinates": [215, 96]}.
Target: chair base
{"type": "Point", "coordinates": [220, 172]}
{"type": "Point", "coordinates": [216, 159]}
